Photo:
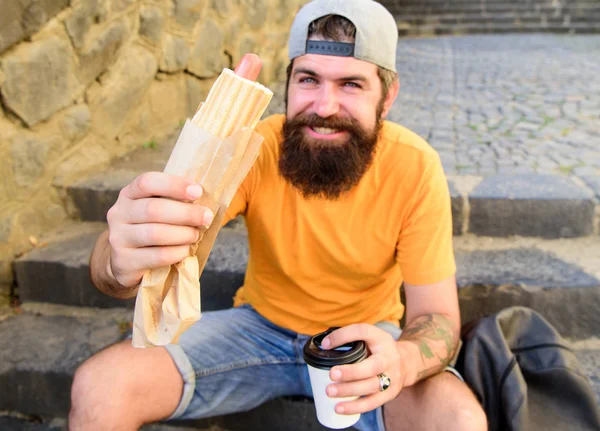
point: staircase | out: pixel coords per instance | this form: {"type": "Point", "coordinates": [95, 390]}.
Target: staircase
{"type": "Point", "coordinates": [519, 240]}
{"type": "Point", "coordinates": [437, 17]}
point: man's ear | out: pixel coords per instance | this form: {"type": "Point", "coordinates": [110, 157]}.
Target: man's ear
{"type": "Point", "coordinates": [391, 96]}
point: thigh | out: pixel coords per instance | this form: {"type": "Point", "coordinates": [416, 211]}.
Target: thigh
{"type": "Point", "coordinates": [234, 360]}
{"type": "Point", "coordinates": [440, 402]}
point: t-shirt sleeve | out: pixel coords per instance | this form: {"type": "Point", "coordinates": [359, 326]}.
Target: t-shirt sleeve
{"type": "Point", "coordinates": [424, 250]}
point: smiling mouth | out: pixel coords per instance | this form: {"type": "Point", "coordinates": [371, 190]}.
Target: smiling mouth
{"type": "Point", "coordinates": [324, 130]}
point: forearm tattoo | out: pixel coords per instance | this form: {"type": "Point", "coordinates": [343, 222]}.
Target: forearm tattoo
{"type": "Point", "coordinates": [437, 340]}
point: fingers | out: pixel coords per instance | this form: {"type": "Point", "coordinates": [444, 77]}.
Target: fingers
{"type": "Point", "coordinates": [249, 67]}
{"type": "Point", "coordinates": [153, 184]}
{"type": "Point", "coordinates": [370, 367]}
{"type": "Point", "coordinates": [354, 389]}
{"type": "Point", "coordinates": [370, 334]}
{"type": "Point", "coordinates": [131, 260]}
{"type": "Point", "coordinates": [157, 234]}
{"type": "Point", "coordinates": [128, 265]}
{"type": "Point", "coordinates": [364, 404]}
{"type": "Point", "coordinates": [167, 211]}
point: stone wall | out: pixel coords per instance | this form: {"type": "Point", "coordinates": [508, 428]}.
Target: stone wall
{"type": "Point", "coordinates": [85, 81]}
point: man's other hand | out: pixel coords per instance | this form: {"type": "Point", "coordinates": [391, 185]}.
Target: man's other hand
{"type": "Point", "coordinates": [148, 231]}
{"type": "Point", "coordinates": [362, 379]}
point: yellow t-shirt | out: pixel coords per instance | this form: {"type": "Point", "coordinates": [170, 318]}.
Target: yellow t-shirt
{"type": "Point", "coordinates": [316, 263]}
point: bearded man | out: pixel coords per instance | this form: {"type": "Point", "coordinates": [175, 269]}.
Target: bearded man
{"type": "Point", "coordinates": [342, 208]}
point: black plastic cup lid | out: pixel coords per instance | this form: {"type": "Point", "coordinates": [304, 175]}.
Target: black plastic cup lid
{"type": "Point", "coordinates": [317, 357]}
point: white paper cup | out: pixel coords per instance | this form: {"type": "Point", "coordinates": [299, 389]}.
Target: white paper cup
{"type": "Point", "coordinates": [319, 364]}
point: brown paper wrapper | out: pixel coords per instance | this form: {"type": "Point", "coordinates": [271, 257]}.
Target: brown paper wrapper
{"type": "Point", "coordinates": [168, 299]}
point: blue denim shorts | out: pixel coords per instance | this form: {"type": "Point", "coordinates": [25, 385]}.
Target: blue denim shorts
{"type": "Point", "coordinates": [234, 360]}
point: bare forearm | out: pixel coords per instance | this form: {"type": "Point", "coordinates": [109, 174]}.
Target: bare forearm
{"type": "Point", "coordinates": [101, 274]}
{"type": "Point", "coordinates": [427, 345]}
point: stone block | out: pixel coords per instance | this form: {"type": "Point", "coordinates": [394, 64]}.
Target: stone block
{"type": "Point", "coordinates": [458, 204]}
{"type": "Point", "coordinates": [152, 22]}
{"type": "Point", "coordinates": [95, 195]}
{"type": "Point", "coordinates": [257, 13]}
{"type": "Point", "coordinates": [37, 370]}
{"type": "Point", "coordinates": [122, 90]}
{"type": "Point", "coordinates": [92, 152]}
{"type": "Point", "coordinates": [286, 10]}
{"type": "Point", "coordinates": [59, 272]}
{"type": "Point", "coordinates": [490, 280]}
{"type": "Point", "coordinates": [162, 109]}
{"type": "Point", "coordinates": [232, 34]}
{"type": "Point", "coordinates": [531, 205]}
{"type": "Point", "coordinates": [188, 12]}
{"type": "Point", "coordinates": [101, 51]}
{"type": "Point", "coordinates": [20, 19]}
{"type": "Point", "coordinates": [32, 92]}
{"type": "Point", "coordinates": [83, 17]}
{"type": "Point", "coordinates": [593, 181]}
{"type": "Point", "coordinates": [76, 122]}
{"type": "Point", "coordinates": [176, 54]}
{"type": "Point", "coordinates": [207, 59]}
{"type": "Point", "coordinates": [221, 7]}
{"type": "Point", "coordinates": [247, 44]}
{"type": "Point", "coordinates": [6, 226]}
{"type": "Point", "coordinates": [29, 153]}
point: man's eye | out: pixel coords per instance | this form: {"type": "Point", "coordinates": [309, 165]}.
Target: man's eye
{"type": "Point", "coordinates": [352, 84]}
{"type": "Point", "coordinates": [308, 80]}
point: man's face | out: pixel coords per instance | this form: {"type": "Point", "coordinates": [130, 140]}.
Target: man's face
{"type": "Point", "coordinates": [334, 113]}
{"type": "Point", "coordinates": [338, 87]}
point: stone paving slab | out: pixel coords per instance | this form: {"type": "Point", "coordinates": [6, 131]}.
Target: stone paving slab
{"type": "Point", "coordinates": [504, 104]}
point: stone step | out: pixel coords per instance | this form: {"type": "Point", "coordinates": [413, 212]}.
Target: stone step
{"type": "Point", "coordinates": [559, 278]}
{"type": "Point", "coordinates": [49, 343]}
{"type": "Point", "coordinates": [591, 18]}
{"type": "Point", "coordinates": [482, 28]}
{"type": "Point", "coordinates": [58, 273]}
{"type": "Point", "coordinates": [491, 8]}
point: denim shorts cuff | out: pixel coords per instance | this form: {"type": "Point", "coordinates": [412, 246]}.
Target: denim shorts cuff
{"type": "Point", "coordinates": [188, 374]}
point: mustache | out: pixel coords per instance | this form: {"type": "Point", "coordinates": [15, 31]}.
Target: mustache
{"type": "Point", "coordinates": [313, 120]}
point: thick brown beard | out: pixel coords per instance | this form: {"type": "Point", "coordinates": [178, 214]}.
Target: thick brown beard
{"type": "Point", "coordinates": [324, 170]}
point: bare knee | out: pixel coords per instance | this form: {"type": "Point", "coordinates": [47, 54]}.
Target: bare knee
{"type": "Point", "coordinates": [467, 418]}
{"type": "Point", "coordinates": [98, 396]}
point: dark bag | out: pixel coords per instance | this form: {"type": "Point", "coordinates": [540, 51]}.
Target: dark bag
{"type": "Point", "coordinates": [525, 375]}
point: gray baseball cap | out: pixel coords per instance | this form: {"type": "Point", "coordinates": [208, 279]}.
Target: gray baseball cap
{"type": "Point", "coordinates": [376, 32]}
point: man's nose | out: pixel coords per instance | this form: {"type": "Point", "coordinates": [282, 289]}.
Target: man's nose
{"type": "Point", "coordinates": [327, 103]}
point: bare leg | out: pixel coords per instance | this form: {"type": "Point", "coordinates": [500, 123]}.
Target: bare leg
{"type": "Point", "coordinates": [441, 402]}
{"type": "Point", "coordinates": [121, 388]}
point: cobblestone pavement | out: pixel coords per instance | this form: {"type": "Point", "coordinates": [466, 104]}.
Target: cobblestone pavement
{"type": "Point", "coordinates": [502, 104]}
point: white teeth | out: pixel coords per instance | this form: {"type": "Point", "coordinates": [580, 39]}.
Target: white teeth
{"type": "Point", "coordinates": [324, 130]}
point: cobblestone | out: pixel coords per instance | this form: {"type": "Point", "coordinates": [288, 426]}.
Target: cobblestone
{"type": "Point", "coordinates": [504, 103]}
